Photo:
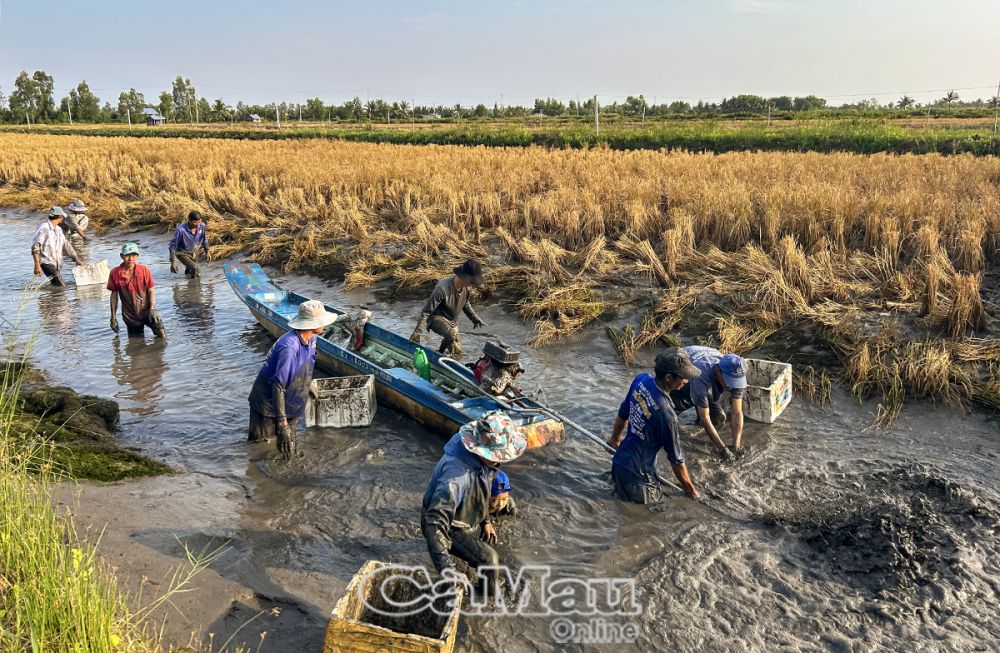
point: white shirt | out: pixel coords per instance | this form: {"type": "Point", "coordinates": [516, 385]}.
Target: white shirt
{"type": "Point", "coordinates": [53, 243]}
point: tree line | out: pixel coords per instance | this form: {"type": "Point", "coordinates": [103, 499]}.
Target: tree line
{"type": "Point", "coordinates": [32, 100]}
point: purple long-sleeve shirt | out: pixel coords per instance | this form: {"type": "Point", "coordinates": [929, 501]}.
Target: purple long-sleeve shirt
{"type": "Point", "coordinates": [185, 241]}
{"type": "Point", "coordinates": [290, 365]}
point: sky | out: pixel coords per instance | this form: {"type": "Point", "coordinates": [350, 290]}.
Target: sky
{"type": "Point", "coordinates": [508, 52]}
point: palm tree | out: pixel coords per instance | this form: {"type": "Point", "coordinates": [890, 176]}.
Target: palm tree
{"type": "Point", "coordinates": [905, 102]}
{"type": "Point", "coordinates": [952, 96]}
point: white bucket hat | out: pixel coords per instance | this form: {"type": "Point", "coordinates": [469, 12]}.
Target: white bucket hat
{"type": "Point", "coordinates": [312, 315]}
{"type": "Point", "coordinates": [77, 207]}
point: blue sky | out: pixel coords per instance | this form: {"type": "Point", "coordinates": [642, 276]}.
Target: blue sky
{"type": "Point", "coordinates": [464, 52]}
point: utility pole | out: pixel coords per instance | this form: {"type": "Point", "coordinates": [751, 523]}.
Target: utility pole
{"type": "Point", "coordinates": [597, 118]}
{"type": "Point", "coordinates": [69, 107]}
{"type": "Point", "coordinates": [277, 114]}
{"type": "Point", "coordinates": [769, 116]}
{"type": "Point", "coordinates": [128, 116]}
{"type": "Point", "coordinates": [643, 111]}
{"type": "Point", "coordinates": [413, 111]}
{"type": "Point", "coordinates": [996, 115]}
{"type": "Point", "coordinates": [300, 113]}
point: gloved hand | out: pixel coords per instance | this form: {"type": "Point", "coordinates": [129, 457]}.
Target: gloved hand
{"type": "Point", "coordinates": [114, 324]}
{"type": "Point", "coordinates": [415, 336]}
{"type": "Point", "coordinates": [286, 440]}
{"type": "Point", "coordinates": [489, 533]}
{"type": "Point", "coordinates": [478, 324]}
{"type": "Point", "coordinates": [205, 249]}
{"type": "Point", "coordinates": [173, 265]}
{"type": "Point", "coordinates": [38, 270]}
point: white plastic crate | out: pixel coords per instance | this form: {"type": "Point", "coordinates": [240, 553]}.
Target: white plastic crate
{"type": "Point", "coordinates": [769, 389]}
{"type": "Point", "coordinates": [90, 274]}
{"type": "Point", "coordinates": [340, 401]}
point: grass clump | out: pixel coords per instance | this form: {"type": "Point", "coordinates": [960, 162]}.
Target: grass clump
{"type": "Point", "coordinates": [56, 595]}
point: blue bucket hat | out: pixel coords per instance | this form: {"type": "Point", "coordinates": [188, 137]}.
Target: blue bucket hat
{"type": "Point", "coordinates": [501, 484]}
{"type": "Point", "coordinates": [495, 437]}
{"type": "Point", "coordinates": [130, 248]}
{"type": "Point", "coordinates": [56, 212]}
{"type": "Point", "coordinates": [733, 374]}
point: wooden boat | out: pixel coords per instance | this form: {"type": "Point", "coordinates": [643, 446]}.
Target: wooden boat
{"type": "Point", "coordinates": [444, 403]}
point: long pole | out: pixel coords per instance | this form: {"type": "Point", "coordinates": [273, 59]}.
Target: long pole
{"type": "Point", "coordinates": [277, 114]}
{"type": "Point", "coordinates": [69, 107]}
{"type": "Point", "coordinates": [128, 116]}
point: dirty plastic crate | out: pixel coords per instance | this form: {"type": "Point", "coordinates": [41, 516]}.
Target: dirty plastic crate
{"type": "Point", "coordinates": [92, 273]}
{"type": "Point", "coordinates": [360, 622]}
{"type": "Point", "coordinates": [341, 401]}
{"type": "Point", "coordinates": [769, 389]}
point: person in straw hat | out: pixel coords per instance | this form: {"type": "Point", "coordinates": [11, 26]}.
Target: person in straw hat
{"type": "Point", "coordinates": [455, 518]}
{"type": "Point", "coordinates": [449, 298]}
{"type": "Point", "coordinates": [278, 397]}
{"type": "Point", "coordinates": [77, 220]}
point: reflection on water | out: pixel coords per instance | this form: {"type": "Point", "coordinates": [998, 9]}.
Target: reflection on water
{"type": "Point", "coordinates": [193, 304]}
{"type": "Point", "coordinates": [139, 366]}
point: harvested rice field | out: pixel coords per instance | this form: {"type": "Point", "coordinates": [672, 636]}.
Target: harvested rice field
{"type": "Point", "coordinates": [878, 272]}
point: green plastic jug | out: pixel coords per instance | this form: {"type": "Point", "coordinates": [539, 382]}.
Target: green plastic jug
{"type": "Point", "coordinates": [421, 365]}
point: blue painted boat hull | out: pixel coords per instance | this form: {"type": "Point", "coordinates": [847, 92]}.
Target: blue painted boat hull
{"type": "Point", "coordinates": [443, 406]}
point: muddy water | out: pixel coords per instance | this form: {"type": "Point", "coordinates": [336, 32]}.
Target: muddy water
{"type": "Point", "coordinates": [836, 537]}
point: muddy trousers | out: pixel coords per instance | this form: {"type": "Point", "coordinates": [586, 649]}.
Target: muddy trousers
{"type": "Point", "coordinates": [265, 429]}
{"type": "Point", "coordinates": [467, 545]}
{"type": "Point", "coordinates": [152, 321]}
{"type": "Point", "coordinates": [630, 487]}
{"type": "Point", "coordinates": [451, 341]}
{"type": "Point", "coordinates": [682, 401]}
{"type": "Point", "coordinates": [53, 273]}
{"type": "Point", "coordinates": [190, 263]}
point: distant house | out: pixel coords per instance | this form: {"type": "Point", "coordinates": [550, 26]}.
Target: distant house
{"type": "Point", "coordinates": [254, 118]}
{"type": "Point", "coordinates": [154, 119]}
{"type": "Point", "coordinates": [430, 116]}
{"type": "Point", "coordinates": [149, 111]}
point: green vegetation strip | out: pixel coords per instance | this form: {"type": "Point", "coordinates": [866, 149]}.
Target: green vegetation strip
{"type": "Point", "coordinates": [860, 136]}
{"type": "Point", "coordinates": [54, 594]}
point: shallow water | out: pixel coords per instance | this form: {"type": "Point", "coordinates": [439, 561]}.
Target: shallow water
{"type": "Point", "coordinates": [834, 537]}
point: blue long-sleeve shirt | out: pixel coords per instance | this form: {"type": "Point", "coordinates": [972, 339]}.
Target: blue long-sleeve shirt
{"type": "Point", "coordinates": [457, 497]}
{"type": "Point", "coordinates": [185, 241]}
{"type": "Point", "coordinates": [652, 425]}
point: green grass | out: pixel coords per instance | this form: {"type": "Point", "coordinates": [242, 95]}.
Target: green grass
{"type": "Point", "coordinates": [865, 136]}
{"type": "Point", "coordinates": [54, 594]}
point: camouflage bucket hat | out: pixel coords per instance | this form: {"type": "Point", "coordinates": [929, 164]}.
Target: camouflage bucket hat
{"type": "Point", "coordinates": [495, 437]}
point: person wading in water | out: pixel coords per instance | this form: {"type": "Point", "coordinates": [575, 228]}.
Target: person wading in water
{"type": "Point", "coordinates": [652, 425]}
{"type": "Point", "coordinates": [278, 397]}
{"type": "Point", "coordinates": [719, 374]}
{"type": "Point", "coordinates": [451, 297]}
{"type": "Point", "coordinates": [455, 518]}
{"type": "Point", "coordinates": [188, 238]}
{"type": "Point", "coordinates": [49, 245]}
{"type": "Point", "coordinates": [131, 283]}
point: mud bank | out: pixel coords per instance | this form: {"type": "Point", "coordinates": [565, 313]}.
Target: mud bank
{"type": "Point", "coordinates": [81, 428]}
